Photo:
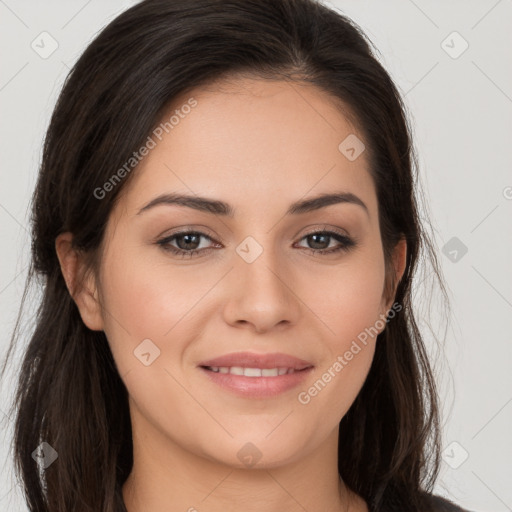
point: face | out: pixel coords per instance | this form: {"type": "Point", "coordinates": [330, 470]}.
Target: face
{"type": "Point", "coordinates": [180, 285]}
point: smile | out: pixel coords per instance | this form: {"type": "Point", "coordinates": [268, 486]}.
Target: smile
{"type": "Point", "coordinates": [252, 372]}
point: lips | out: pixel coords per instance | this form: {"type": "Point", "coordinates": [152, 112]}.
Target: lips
{"type": "Point", "coordinates": [253, 360]}
{"type": "Point", "coordinates": [251, 375]}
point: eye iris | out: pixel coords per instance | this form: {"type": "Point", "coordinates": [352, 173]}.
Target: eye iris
{"type": "Point", "coordinates": [188, 241]}
{"type": "Point", "coordinates": [316, 235]}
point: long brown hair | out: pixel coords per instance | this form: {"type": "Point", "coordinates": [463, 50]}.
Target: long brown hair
{"type": "Point", "coordinates": [69, 393]}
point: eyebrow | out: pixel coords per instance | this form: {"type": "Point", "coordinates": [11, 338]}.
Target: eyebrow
{"type": "Point", "coordinates": [217, 207]}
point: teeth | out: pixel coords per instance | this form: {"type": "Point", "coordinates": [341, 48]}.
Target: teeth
{"type": "Point", "coordinates": [251, 372]}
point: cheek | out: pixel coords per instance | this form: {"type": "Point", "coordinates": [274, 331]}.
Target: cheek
{"type": "Point", "coordinates": [149, 302]}
{"type": "Point", "coordinates": [348, 297]}
{"type": "Point", "coordinates": [350, 306]}
{"type": "Point", "coordinates": [143, 300]}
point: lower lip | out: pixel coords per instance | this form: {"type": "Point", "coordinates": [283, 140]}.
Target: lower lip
{"type": "Point", "coordinates": [257, 387]}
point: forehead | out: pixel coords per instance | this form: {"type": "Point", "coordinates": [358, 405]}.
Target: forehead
{"type": "Point", "coordinates": [252, 138]}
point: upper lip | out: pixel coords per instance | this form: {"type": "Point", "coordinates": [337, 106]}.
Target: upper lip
{"type": "Point", "coordinates": [253, 360]}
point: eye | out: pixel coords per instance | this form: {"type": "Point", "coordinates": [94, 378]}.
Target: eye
{"type": "Point", "coordinates": [323, 239]}
{"type": "Point", "coordinates": [188, 243]}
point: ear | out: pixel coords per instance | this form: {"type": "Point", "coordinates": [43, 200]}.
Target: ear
{"type": "Point", "coordinates": [81, 284]}
{"type": "Point", "coordinates": [395, 273]}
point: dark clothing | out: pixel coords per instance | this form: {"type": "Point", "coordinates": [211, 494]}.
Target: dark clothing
{"type": "Point", "coordinates": [443, 505]}
{"type": "Point", "coordinates": [432, 503]}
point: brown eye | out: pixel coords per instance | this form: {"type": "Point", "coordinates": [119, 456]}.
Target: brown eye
{"type": "Point", "coordinates": [187, 243]}
{"type": "Point", "coordinates": [319, 242]}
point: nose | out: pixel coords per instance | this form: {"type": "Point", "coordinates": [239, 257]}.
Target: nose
{"type": "Point", "coordinates": [261, 294]}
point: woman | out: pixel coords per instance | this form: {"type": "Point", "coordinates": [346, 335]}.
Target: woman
{"type": "Point", "coordinates": [226, 227]}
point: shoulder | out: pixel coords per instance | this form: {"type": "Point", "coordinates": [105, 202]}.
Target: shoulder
{"type": "Point", "coordinates": [440, 504]}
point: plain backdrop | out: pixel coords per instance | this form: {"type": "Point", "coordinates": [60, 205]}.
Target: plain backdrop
{"type": "Point", "coordinates": [452, 63]}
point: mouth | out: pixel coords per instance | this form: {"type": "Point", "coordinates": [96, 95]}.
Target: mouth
{"type": "Point", "coordinates": [254, 372]}
{"type": "Point", "coordinates": [255, 383]}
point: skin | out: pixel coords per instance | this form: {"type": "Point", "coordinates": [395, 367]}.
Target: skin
{"type": "Point", "coordinates": [259, 146]}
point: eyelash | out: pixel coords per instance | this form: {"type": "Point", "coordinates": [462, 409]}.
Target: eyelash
{"type": "Point", "coordinates": [346, 243]}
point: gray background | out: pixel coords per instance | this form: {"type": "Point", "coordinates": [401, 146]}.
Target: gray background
{"type": "Point", "coordinates": [460, 104]}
